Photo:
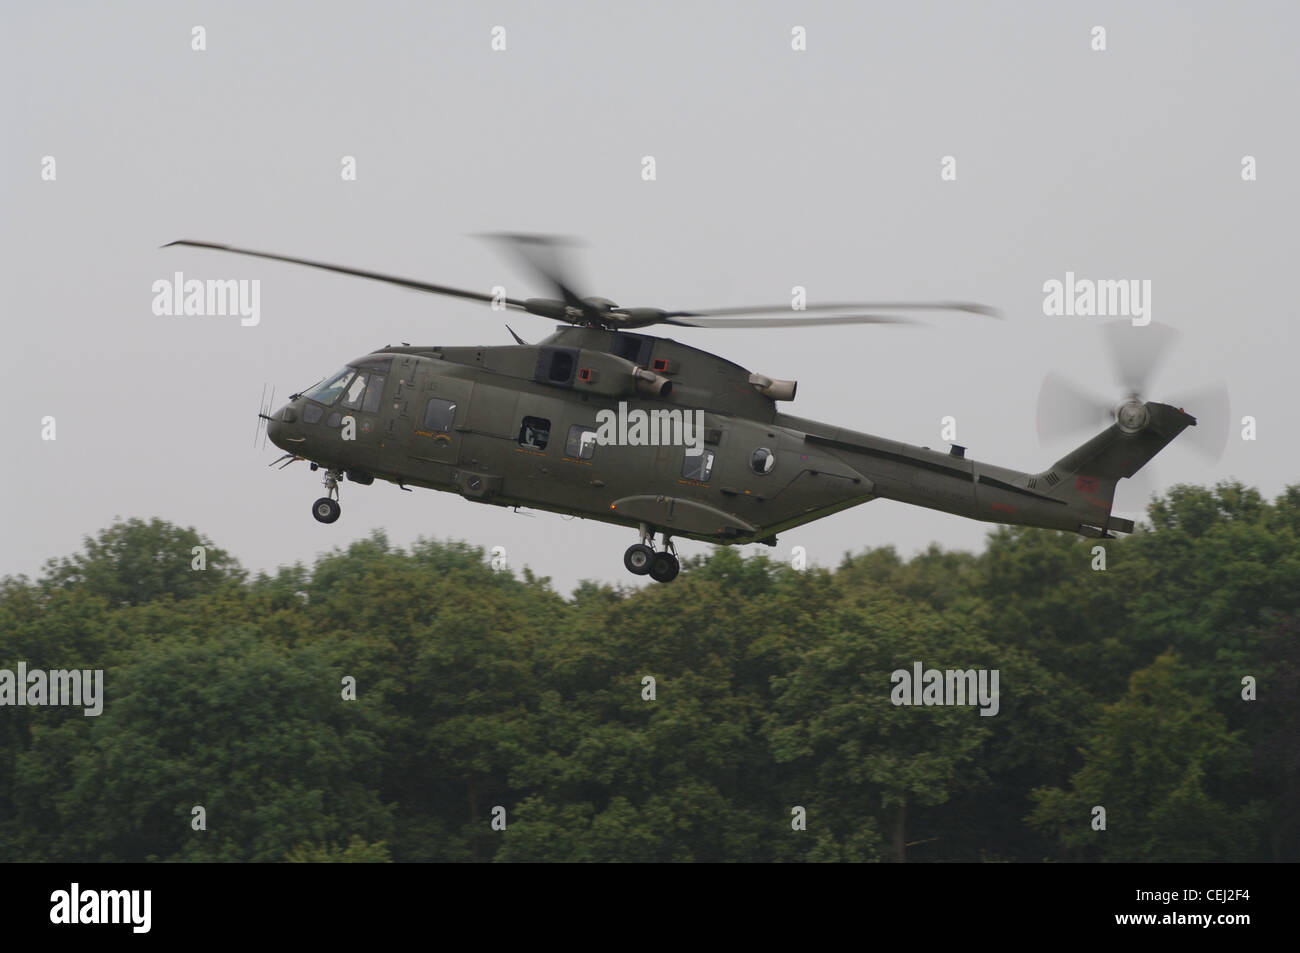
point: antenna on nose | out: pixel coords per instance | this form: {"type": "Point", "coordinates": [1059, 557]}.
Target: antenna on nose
{"type": "Point", "coordinates": [263, 416]}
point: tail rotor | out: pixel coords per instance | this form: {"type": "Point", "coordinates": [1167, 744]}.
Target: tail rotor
{"type": "Point", "coordinates": [1137, 353]}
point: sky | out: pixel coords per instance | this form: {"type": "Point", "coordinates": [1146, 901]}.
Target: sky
{"type": "Point", "coordinates": [775, 167]}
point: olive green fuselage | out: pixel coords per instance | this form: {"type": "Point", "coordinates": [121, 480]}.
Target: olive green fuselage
{"type": "Point", "coordinates": [521, 425]}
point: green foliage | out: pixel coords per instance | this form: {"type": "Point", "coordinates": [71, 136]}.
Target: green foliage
{"type": "Point", "coordinates": [1162, 764]}
{"type": "Point", "coordinates": [356, 852]}
{"type": "Point", "coordinates": [136, 562]}
{"type": "Point", "coordinates": [477, 690]}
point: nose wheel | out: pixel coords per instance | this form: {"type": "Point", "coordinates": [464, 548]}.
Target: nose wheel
{"type": "Point", "coordinates": [327, 509]}
{"type": "Point", "coordinates": [642, 560]}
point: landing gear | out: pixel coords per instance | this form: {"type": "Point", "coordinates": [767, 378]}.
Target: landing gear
{"type": "Point", "coordinates": [641, 559]}
{"type": "Point", "coordinates": [327, 509]}
{"type": "Point", "coordinates": [664, 567]}
{"type": "Point", "coordinates": [638, 559]}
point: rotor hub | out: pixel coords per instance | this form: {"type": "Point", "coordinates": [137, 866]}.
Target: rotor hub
{"type": "Point", "coordinates": [1132, 415]}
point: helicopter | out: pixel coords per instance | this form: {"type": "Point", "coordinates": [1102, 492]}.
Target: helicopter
{"type": "Point", "coordinates": [603, 422]}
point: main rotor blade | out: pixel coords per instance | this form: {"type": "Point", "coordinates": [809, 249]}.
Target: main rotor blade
{"type": "Point", "coordinates": [541, 254]}
{"type": "Point", "coordinates": [1137, 352]}
{"type": "Point", "coordinates": [1064, 409]}
{"type": "Point", "coordinates": [793, 322]}
{"type": "Point", "coordinates": [1213, 412]}
{"type": "Point", "coordinates": [968, 307]}
{"type": "Point", "coordinates": [356, 272]}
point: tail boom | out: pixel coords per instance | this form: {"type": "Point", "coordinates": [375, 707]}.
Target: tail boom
{"type": "Point", "coordinates": [1075, 494]}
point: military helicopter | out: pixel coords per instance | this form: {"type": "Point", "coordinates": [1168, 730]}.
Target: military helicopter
{"type": "Point", "coordinates": [602, 422]}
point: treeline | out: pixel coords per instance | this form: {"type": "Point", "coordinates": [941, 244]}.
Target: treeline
{"type": "Point", "coordinates": [1127, 688]}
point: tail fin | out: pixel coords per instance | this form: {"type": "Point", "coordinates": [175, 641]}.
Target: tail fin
{"type": "Point", "coordinates": [1085, 478]}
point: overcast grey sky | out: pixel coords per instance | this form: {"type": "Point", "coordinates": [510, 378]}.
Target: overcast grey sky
{"type": "Point", "coordinates": [775, 168]}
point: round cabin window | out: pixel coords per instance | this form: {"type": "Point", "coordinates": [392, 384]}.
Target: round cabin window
{"type": "Point", "coordinates": [762, 460]}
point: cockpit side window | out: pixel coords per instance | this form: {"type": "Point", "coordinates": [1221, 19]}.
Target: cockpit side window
{"type": "Point", "coordinates": [328, 392]}
{"type": "Point", "coordinates": [374, 394]}
{"type": "Point", "coordinates": [354, 390]}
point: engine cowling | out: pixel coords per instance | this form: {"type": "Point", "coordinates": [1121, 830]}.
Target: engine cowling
{"type": "Point", "coordinates": [774, 389]}
{"type": "Point", "coordinates": [650, 384]}
{"type": "Point", "coordinates": [612, 376]}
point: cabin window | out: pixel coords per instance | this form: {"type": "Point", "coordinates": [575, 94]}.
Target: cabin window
{"type": "Point", "coordinates": [581, 442]}
{"type": "Point", "coordinates": [762, 460]}
{"type": "Point", "coordinates": [439, 415]}
{"type": "Point", "coordinates": [535, 433]}
{"type": "Point", "coordinates": [334, 420]}
{"type": "Point", "coordinates": [312, 413]}
{"type": "Point", "coordinates": [698, 467]}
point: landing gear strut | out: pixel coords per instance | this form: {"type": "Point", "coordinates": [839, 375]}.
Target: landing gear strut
{"type": "Point", "coordinates": [641, 559]}
{"type": "Point", "coordinates": [326, 509]}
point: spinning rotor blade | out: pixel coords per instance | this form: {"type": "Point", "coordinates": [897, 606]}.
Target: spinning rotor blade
{"type": "Point", "coordinates": [1213, 412]}
{"type": "Point", "coordinates": [1132, 494]}
{"type": "Point", "coordinates": [542, 255]}
{"type": "Point", "coordinates": [1137, 352]}
{"type": "Point", "coordinates": [787, 322]}
{"type": "Point", "coordinates": [1209, 438]}
{"type": "Point", "coordinates": [545, 257]}
{"type": "Point", "coordinates": [1064, 409]}
{"type": "Point", "coordinates": [356, 272]}
{"type": "Point", "coordinates": [850, 306]}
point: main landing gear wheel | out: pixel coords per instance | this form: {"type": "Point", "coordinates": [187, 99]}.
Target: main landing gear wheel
{"type": "Point", "coordinates": [638, 559]}
{"type": "Point", "coordinates": [641, 558]}
{"type": "Point", "coordinates": [664, 567]}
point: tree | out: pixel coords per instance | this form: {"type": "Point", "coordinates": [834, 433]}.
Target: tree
{"type": "Point", "coordinates": [135, 562]}
{"type": "Point", "coordinates": [1161, 762]}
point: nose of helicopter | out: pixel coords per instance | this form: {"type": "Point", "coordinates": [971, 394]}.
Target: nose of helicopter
{"type": "Point", "coordinates": [275, 426]}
